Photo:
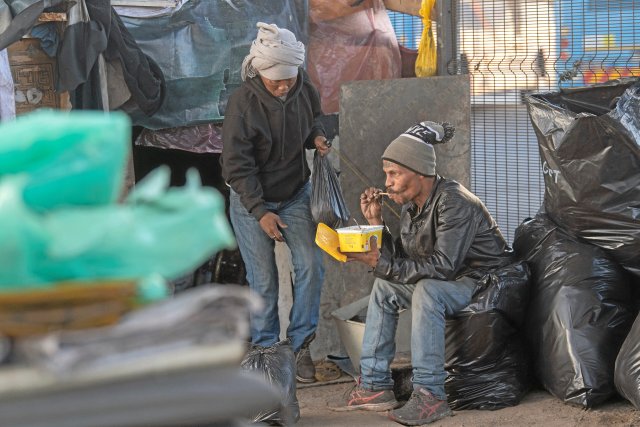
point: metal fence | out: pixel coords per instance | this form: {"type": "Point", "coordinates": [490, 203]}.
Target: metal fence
{"type": "Point", "coordinates": [514, 47]}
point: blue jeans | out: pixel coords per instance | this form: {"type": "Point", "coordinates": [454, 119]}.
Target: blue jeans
{"type": "Point", "coordinates": [430, 301]}
{"type": "Point", "coordinates": [257, 250]}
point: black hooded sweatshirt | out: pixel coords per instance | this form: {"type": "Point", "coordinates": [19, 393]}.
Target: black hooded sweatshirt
{"type": "Point", "coordinates": [264, 141]}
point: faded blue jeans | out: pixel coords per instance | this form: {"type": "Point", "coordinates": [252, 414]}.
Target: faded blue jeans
{"type": "Point", "coordinates": [430, 301]}
{"type": "Point", "coordinates": [257, 250]}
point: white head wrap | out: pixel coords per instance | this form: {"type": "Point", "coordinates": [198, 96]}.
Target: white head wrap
{"type": "Point", "coordinates": [275, 54]}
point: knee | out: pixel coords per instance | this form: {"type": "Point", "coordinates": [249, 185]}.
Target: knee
{"type": "Point", "coordinates": [383, 295]}
{"type": "Point", "coordinates": [381, 288]}
{"type": "Point", "coordinates": [426, 295]}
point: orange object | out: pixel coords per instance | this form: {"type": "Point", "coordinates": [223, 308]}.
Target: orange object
{"type": "Point", "coordinates": [327, 239]}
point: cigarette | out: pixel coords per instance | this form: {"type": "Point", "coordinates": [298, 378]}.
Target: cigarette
{"type": "Point", "coordinates": [382, 194]}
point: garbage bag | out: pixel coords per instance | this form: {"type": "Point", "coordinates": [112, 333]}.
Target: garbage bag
{"type": "Point", "coordinates": [589, 140]}
{"type": "Point", "coordinates": [278, 365]}
{"type": "Point", "coordinates": [68, 159]}
{"type": "Point", "coordinates": [327, 202]}
{"type": "Point", "coordinates": [627, 368]}
{"type": "Point", "coordinates": [486, 361]}
{"type": "Point", "coordinates": [579, 313]}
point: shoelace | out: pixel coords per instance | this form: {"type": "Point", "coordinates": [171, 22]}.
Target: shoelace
{"type": "Point", "coordinates": [303, 352]}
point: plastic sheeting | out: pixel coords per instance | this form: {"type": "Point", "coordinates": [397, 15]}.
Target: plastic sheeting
{"type": "Point", "coordinates": [486, 362]}
{"type": "Point", "coordinates": [18, 16]}
{"type": "Point", "coordinates": [60, 175]}
{"type": "Point", "coordinates": [65, 159]}
{"type": "Point", "coordinates": [353, 41]}
{"type": "Point", "coordinates": [206, 138]}
{"type": "Point", "coordinates": [277, 364]}
{"type": "Point", "coordinates": [589, 141]}
{"type": "Point", "coordinates": [199, 47]}
{"type": "Point", "coordinates": [579, 313]}
{"type": "Point", "coordinates": [627, 370]}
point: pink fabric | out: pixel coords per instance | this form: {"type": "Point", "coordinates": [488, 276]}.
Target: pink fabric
{"type": "Point", "coordinates": [357, 46]}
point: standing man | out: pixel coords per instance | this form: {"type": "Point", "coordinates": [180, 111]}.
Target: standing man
{"type": "Point", "coordinates": [269, 122]}
{"type": "Point", "coordinates": [448, 240]}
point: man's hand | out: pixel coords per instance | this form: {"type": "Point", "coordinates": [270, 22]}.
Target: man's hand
{"type": "Point", "coordinates": [370, 258]}
{"type": "Point", "coordinates": [271, 224]}
{"type": "Point", "coordinates": [371, 205]}
{"type": "Point", "coordinates": [322, 145]}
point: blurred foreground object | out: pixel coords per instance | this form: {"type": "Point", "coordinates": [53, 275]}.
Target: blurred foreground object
{"type": "Point", "coordinates": [60, 174]}
{"type": "Point", "coordinates": [67, 306]}
{"type": "Point", "coordinates": [172, 363]}
{"type": "Point", "coordinates": [65, 159]}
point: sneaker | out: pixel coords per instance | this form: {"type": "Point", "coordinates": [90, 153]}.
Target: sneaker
{"type": "Point", "coordinates": [360, 398]}
{"type": "Point", "coordinates": [305, 369]}
{"type": "Point", "coordinates": [421, 408]}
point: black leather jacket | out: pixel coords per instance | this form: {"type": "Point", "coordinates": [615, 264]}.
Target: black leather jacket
{"type": "Point", "coordinates": [453, 236]}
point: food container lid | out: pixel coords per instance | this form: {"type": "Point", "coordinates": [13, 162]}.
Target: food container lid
{"type": "Point", "coordinates": [355, 229]}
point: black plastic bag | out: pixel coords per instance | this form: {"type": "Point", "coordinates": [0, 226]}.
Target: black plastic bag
{"type": "Point", "coordinates": [278, 365]}
{"type": "Point", "coordinates": [579, 312]}
{"type": "Point", "coordinates": [589, 140]}
{"type": "Point", "coordinates": [627, 371]}
{"type": "Point", "coordinates": [327, 202]}
{"type": "Point", "coordinates": [486, 360]}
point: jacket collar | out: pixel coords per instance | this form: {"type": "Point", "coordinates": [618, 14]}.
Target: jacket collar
{"type": "Point", "coordinates": [414, 211]}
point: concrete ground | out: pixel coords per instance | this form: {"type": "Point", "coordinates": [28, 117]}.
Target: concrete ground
{"type": "Point", "coordinates": [538, 408]}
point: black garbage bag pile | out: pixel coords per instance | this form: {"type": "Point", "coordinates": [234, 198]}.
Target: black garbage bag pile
{"type": "Point", "coordinates": [627, 371]}
{"type": "Point", "coordinates": [579, 312]}
{"type": "Point", "coordinates": [583, 246]}
{"type": "Point", "coordinates": [589, 140]}
{"type": "Point", "coordinates": [277, 364]}
{"type": "Point", "coordinates": [486, 361]}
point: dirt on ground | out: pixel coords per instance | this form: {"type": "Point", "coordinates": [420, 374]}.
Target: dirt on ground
{"type": "Point", "coordinates": [538, 408]}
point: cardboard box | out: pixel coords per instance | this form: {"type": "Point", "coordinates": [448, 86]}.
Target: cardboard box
{"type": "Point", "coordinates": [33, 73]}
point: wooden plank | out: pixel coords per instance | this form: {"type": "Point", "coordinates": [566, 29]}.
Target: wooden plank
{"type": "Point", "coordinates": [52, 17]}
{"type": "Point", "coordinates": [410, 7]}
{"type": "Point", "coordinates": [145, 3]}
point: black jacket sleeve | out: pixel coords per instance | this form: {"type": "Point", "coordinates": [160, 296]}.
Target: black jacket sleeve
{"type": "Point", "coordinates": [238, 156]}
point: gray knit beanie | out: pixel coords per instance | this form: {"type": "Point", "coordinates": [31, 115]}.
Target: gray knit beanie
{"type": "Point", "coordinates": [414, 148]}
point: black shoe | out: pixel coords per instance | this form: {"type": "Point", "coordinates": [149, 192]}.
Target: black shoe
{"type": "Point", "coordinates": [305, 369]}
{"type": "Point", "coordinates": [421, 408]}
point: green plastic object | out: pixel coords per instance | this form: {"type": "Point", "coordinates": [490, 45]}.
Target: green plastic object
{"type": "Point", "coordinates": [69, 158]}
{"type": "Point", "coordinates": [60, 222]}
{"type": "Point", "coordinates": [152, 288]}
{"type": "Point", "coordinates": [160, 229]}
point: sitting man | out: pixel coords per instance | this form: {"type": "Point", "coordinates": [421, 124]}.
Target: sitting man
{"type": "Point", "coordinates": [448, 240]}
